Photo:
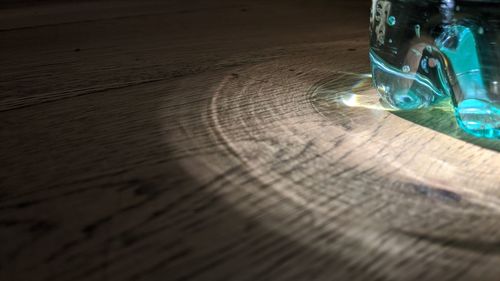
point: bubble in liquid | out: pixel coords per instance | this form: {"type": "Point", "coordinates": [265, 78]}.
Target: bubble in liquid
{"type": "Point", "coordinates": [406, 68]}
{"type": "Point", "coordinates": [391, 20]}
{"type": "Point", "coordinates": [494, 87]}
{"type": "Point", "coordinates": [417, 30]}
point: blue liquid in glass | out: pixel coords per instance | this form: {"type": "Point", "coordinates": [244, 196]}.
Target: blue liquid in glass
{"type": "Point", "coordinates": [423, 51]}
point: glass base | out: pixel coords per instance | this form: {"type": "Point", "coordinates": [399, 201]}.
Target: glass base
{"type": "Point", "coordinates": [410, 91]}
{"type": "Point", "coordinates": [479, 118]}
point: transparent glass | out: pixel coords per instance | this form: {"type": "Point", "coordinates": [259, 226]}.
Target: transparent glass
{"type": "Point", "coordinates": [422, 51]}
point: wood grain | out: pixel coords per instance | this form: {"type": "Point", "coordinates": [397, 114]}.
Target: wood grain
{"type": "Point", "coordinates": [176, 140]}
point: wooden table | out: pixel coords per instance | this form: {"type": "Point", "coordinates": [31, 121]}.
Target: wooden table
{"type": "Point", "coordinates": [225, 140]}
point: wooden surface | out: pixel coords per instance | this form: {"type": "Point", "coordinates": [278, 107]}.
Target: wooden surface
{"type": "Point", "coordinates": [209, 140]}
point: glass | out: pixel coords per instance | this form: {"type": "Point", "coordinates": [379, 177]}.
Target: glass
{"type": "Point", "coordinates": [423, 51]}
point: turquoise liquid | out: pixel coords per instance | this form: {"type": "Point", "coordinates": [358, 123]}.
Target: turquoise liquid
{"type": "Point", "coordinates": [425, 51]}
